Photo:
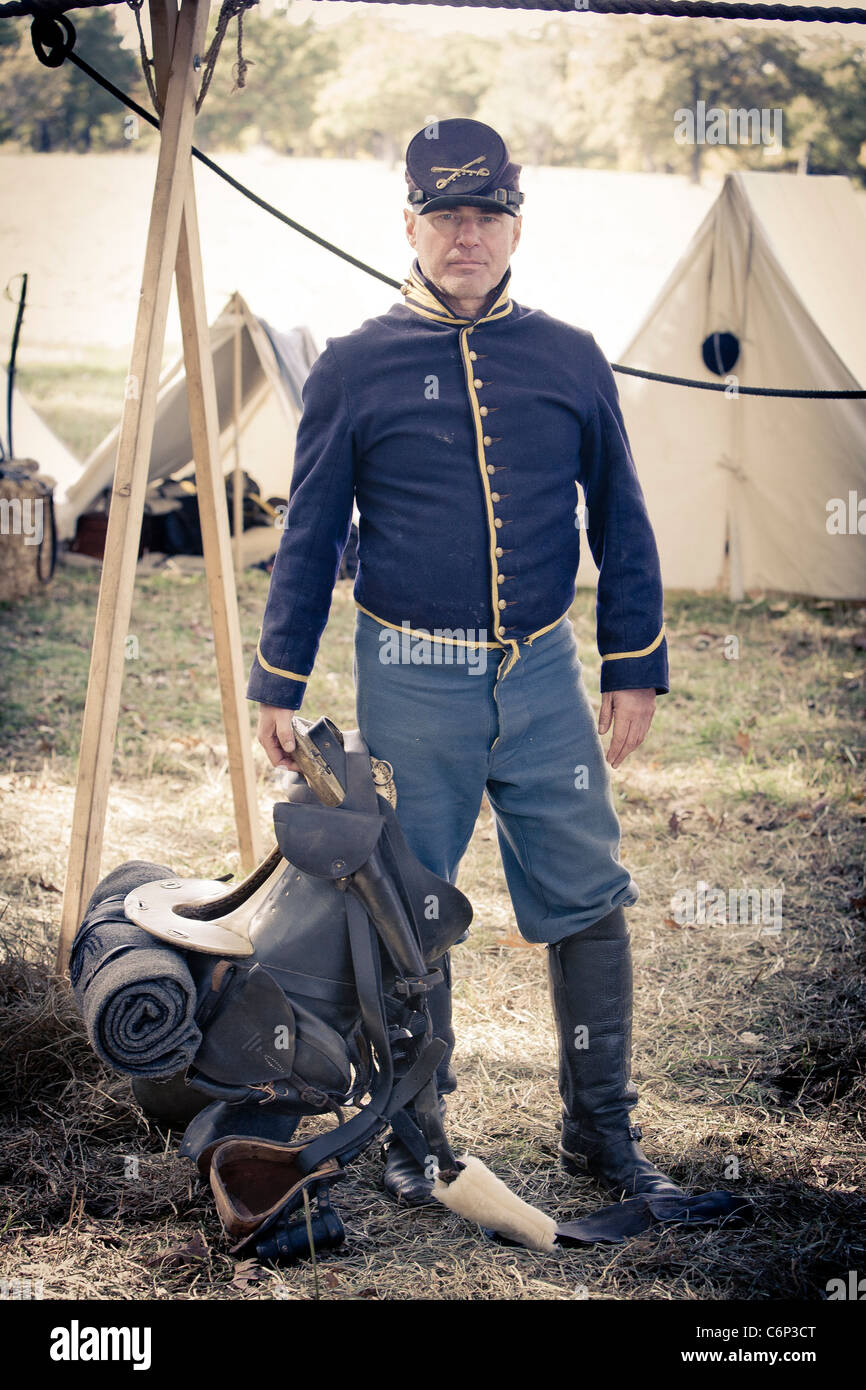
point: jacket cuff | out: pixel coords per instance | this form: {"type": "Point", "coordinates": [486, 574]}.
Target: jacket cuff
{"type": "Point", "coordinates": [637, 673]}
{"type": "Point", "coordinates": [270, 689]}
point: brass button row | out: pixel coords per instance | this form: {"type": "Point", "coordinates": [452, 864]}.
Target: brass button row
{"type": "Point", "coordinates": [494, 496]}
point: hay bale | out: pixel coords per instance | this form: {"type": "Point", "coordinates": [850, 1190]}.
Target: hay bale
{"type": "Point", "coordinates": [26, 529]}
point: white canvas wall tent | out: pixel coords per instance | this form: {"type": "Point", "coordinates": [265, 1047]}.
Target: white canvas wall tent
{"type": "Point", "coordinates": [274, 366]}
{"type": "Point", "coordinates": [779, 264]}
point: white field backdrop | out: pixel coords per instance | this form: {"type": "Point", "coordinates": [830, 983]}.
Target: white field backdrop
{"type": "Point", "coordinates": [597, 245]}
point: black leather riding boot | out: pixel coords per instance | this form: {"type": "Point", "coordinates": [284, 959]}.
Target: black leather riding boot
{"type": "Point", "coordinates": [404, 1176]}
{"type": "Point", "coordinates": [591, 991]}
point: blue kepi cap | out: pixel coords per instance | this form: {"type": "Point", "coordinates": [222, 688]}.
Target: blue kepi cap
{"type": "Point", "coordinates": [460, 161]}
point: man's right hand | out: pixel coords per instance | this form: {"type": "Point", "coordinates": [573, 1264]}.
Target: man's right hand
{"type": "Point", "coordinates": [276, 737]}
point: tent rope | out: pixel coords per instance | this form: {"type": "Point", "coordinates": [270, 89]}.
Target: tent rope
{"type": "Point", "coordinates": [667, 9]}
{"type": "Point", "coordinates": [53, 41]}
{"type": "Point", "coordinates": [239, 70]}
{"type": "Point", "coordinates": [736, 390]}
{"type": "Point", "coordinates": [230, 10]}
{"type": "Point", "coordinates": [146, 62]}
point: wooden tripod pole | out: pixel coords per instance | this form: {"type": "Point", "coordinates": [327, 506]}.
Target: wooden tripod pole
{"type": "Point", "coordinates": [173, 179]}
{"type": "Point", "coordinates": [237, 489]}
{"type": "Point", "coordinates": [210, 485]}
{"type": "Point", "coordinates": [216, 541]}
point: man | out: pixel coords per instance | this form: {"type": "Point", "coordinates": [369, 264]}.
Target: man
{"type": "Point", "coordinates": [462, 422]}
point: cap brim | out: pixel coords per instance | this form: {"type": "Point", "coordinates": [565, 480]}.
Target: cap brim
{"type": "Point", "coordinates": [465, 200]}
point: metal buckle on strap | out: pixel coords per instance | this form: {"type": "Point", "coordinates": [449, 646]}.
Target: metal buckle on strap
{"type": "Point", "coordinates": [417, 984]}
{"type": "Point", "coordinates": [635, 1132]}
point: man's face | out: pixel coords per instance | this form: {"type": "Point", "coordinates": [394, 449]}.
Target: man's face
{"type": "Point", "coordinates": [464, 250]}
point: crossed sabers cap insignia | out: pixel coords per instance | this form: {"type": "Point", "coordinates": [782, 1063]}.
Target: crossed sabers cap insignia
{"type": "Point", "coordinates": [458, 173]}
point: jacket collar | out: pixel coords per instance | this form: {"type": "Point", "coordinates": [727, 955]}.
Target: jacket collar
{"type": "Point", "coordinates": [425, 299]}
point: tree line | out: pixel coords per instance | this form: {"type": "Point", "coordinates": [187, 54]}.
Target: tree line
{"type": "Point", "coordinates": [580, 90]}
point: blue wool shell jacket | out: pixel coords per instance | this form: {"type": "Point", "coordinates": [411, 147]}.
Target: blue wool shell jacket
{"type": "Point", "coordinates": [463, 441]}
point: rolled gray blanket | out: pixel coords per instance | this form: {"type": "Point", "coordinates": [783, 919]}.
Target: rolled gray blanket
{"type": "Point", "coordinates": [136, 994]}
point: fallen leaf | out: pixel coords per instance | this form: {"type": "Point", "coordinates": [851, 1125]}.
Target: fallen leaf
{"type": "Point", "coordinates": [246, 1273]}
{"type": "Point", "coordinates": [179, 1256]}
{"type": "Point", "coordinates": [751, 1039]}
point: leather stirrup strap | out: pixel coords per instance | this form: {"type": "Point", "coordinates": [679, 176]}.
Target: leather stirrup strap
{"type": "Point", "coordinates": [427, 1137]}
{"type": "Point", "coordinates": [368, 982]}
{"type": "Point", "coordinates": [410, 1135]}
{"type": "Point", "coordinates": [350, 1139]}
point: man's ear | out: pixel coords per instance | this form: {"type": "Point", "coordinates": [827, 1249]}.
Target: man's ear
{"type": "Point", "coordinates": [517, 229]}
{"type": "Point", "coordinates": [410, 218]}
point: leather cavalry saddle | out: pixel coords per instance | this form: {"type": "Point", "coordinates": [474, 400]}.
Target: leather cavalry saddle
{"type": "Point", "coordinates": [311, 977]}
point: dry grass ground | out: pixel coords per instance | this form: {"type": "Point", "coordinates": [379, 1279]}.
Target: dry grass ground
{"type": "Point", "coordinates": [748, 1043]}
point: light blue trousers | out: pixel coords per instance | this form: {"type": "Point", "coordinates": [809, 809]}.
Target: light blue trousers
{"type": "Point", "coordinates": [453, 727]}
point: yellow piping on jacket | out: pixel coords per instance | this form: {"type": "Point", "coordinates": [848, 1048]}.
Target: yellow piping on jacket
{"type": "Point", "coordinates": [277, 670]}
{"type": "Point", "coordinates": [488, 501]}
{"type": "Point", "coordinates": [426, 636]}
{"type": "Point", "coordinates": [645, 651]}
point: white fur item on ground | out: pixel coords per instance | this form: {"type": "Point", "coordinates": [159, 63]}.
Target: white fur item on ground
{"type": "Point", "coordinates": [478, 1195]}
